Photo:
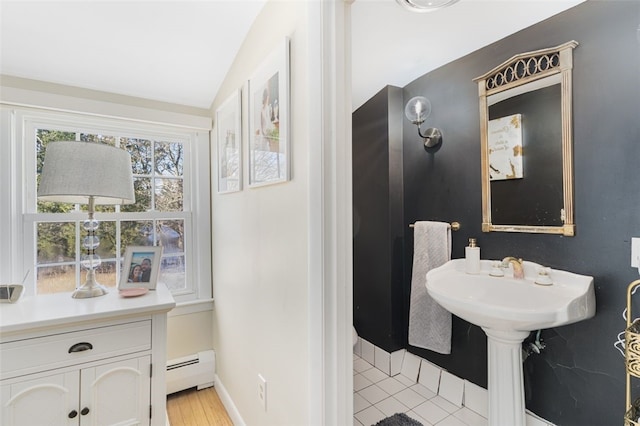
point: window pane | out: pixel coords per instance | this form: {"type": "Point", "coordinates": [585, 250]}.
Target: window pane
{"type": "Point", "coordinates": [159, 169]}
{"type": "Point", "coordinates": [142, 190]}
{"type": "Point", "coordinates": [105, 273]}
{"type": "Point", "coordinates": [169, 158]}
{"type": "Point", "coordinates": [172, 272]}
{"type": "Point", "coordinates": [136, 233]}
{"type": "Point", "coordinates": [141, 155]}
{"type": "Point", "coordinates": [109, 140]}
{"type": "Point", "coordinates": [56, 242]}
{"type": "Point", "coordinates": [43, 138]}
{"type": "Point", "coordinates": [168, 195]}
{"type": "Point", "coordinates": [107, 233]}
{"type": "Point", "coordinates": [54, 279]}
{"type": "Point", "coordinates": [171, 236]}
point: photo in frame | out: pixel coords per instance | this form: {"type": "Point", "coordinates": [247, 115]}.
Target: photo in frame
{"type": "Point", "coordinates": [229, 144]}
{"type": "Point", "coordinates": [140, 267]}
{"type": "Point", "coordinates": [269, 144]}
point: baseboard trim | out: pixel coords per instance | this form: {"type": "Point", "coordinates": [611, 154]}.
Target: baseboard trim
{"type": "Point", "coordinates": [226, 400]}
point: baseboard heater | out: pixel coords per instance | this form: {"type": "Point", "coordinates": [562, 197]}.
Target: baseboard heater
{"type": "Point", "coordinates": [197, 370]}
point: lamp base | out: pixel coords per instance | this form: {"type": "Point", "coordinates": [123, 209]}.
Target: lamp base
{"type": "Point", "coordinates": [87, 292]}
{"type": "Point", "coordinates": [90, 288]}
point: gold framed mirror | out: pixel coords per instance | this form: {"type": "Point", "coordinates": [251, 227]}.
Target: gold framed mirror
{"type": "Point", "coordinates": [527, 143]}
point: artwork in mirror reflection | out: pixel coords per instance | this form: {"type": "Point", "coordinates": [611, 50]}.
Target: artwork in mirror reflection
{"type": "Point", "coordinates": [505, 148]}
{"type": "Point", "coordinates": [530, 140]}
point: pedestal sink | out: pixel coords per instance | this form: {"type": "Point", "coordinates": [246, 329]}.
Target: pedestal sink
{"type": "Point", "coordinates": [508, 309]}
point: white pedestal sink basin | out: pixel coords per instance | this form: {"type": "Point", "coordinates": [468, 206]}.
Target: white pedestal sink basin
{"type": "Point", "coordinates": [508, 309]}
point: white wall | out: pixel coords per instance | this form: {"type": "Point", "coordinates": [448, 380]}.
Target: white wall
{"type": "Point", "coordinates": [260, 249]}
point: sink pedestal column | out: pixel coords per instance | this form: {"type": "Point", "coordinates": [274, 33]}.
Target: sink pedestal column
{"type": "Point", "coordinates": [506, 384]}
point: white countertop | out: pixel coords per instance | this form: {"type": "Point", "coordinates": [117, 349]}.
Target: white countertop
{"type": "Point", "coordinates": [32, 312]}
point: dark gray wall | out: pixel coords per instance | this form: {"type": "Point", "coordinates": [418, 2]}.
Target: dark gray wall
{"type": "Point", "coordinates": [579, 378]}
{"type": "Point", "coordinates": [377, 220]}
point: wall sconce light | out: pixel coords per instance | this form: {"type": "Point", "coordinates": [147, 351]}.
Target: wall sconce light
{"type": "Point", "coordinates": [422, 6]}
{"type": "Point", "coordinates": [417, 110]}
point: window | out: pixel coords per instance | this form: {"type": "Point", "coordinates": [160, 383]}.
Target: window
{"type": "Point", "coordinates": [166, 167]}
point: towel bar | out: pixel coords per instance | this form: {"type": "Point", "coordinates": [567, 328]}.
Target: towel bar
{"type": "Point", "coordinates": [455, 226]}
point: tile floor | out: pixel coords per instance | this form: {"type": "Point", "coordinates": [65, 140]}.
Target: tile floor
{"type": "Point", "coordinates": [378, 395]}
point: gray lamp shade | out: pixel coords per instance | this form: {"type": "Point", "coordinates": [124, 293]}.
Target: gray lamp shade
{"type": "Point", "coordinates": [75, 171]}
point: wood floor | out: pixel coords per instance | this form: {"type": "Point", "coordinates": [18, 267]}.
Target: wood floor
{"type": "Point", "coordinates": [193, 407]}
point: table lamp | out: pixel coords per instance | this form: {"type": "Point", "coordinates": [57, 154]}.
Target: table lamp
{"type": "Point", "coordinates": [87, 173]}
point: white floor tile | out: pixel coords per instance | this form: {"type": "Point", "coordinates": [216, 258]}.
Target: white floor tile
{"type": "Point", "coordinates": [451, 421]}
{"type": "Point", "coordinates": [368, 352]}
{"type": "Point", "coordinates": [359, 403]}
{"type": "Point", "coordinates": [404, 380]}
{"type": "Point", "coordinates": [429, 376]}
{"type": "Point", "coordinates": [361, 365]}
{"type": "Point", "coordinates": [383, 360]}
{"type": "Point", "coordinates": [370, 416]}
{"type": "Point", "coordinates": [431, 412]}
{"type": "Point", "coordinates": [360, 382]}
{"type": "Point", "coordinates": [422, 390]}
{"type": "Point", "coordinates": [451, 388]}
{"type": "Point", "coordinates": [396, 362]}
{"type": "Point", "coordinates": [390, 406]}
{"type": "Point", "coordinates": [476, 398]}
{"type": "Point", "coordinates": [444, 404]}
{"type": "Point", "coordinates": [374, 375]}
{"type": "Point", "coordinates": [470, 417]}
{"type": "Point", "coordinates": [391, 385]}
{"type": "Point", "coordinates": [415, 416]}
{"type": "Point", "coordinates": [426, 393]}
{"type": "Point", "coordinates": [410, 398]}
{"type": "Point", "coordinates": [410, 366]}
{"type": "Point", "coordinates": [373, 394]}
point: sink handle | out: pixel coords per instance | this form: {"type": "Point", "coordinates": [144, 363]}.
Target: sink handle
{"type": "Point", "coordinates": [543, 277]}
{"type": "Point", "coordinates": [496, 269]}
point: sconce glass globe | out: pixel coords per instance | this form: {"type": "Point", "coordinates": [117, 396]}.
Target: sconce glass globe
{"type": "Point", "coordinates": [422, 6]}
{"type": "Point", "coordinates": [417, 109]}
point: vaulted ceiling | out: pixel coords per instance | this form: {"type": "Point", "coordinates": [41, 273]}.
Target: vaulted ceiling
{"type": "Point", "coordinates": [180, 51]}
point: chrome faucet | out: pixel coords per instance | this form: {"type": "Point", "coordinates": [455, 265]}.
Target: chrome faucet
{"type": "Point", "coordinates": [518, 272]}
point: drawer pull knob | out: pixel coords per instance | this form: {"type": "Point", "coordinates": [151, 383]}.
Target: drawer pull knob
{"type": "Point", "coordinates": [79, 347]}
{"type": "Point", "coordinates": [73, 414]}
{"type": "Point", "coordinates": [84, 411]}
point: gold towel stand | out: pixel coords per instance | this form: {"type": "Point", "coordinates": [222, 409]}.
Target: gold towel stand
{"type": "Point", "coordinates": [455, 226]}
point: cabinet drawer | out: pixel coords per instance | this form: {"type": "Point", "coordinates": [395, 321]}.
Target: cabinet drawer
{"type": "Point", "coordinates": [60, 350]}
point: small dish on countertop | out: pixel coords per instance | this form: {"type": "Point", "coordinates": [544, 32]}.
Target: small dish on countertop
{"type": "Point", "coordinates": [133, 292]}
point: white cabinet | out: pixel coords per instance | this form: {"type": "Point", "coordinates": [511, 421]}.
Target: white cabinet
{"type": "Point", "coordinates": [104, 366]}
{"type": "Point", "coordinates": [109, 394]}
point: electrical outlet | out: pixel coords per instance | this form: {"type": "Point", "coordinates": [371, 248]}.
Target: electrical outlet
{"type": "Point", "coordinates": [262, 391]}
{"type": "Point", "coordinates": [635, 252]}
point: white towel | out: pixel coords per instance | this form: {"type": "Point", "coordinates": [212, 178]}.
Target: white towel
{"type": "Point", "coordinates": [429, 323]}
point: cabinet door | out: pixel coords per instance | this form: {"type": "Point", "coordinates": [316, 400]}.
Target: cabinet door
{"type": "Point", "coordinates": [49, 400]}
{"type": "Point", "coordinates": [118, 393]}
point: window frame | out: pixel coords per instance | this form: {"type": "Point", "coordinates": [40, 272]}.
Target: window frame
{"type": "Point", "coordinates": [19, 144]}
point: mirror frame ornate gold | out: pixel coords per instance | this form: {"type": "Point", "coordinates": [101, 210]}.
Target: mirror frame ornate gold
{"type": "Point", "coordinates": [504, 77]}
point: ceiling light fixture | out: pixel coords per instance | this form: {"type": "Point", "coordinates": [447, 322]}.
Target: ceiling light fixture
{"type": "Point", "coordinates": [422, 6]}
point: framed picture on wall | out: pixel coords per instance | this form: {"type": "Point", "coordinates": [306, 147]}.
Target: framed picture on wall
{"type": "Point", "coordinates": [269, 144]}
{"type": "Point", "coordinates": [229, 143]}
{"type": "Point", "coordinates": [140, 267]}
